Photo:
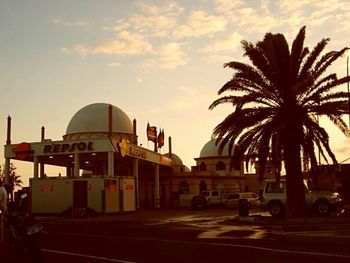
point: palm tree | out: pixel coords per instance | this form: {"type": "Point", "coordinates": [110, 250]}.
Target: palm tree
{"type": "Point", "coordinates": [276, 103]}
{"type": "Point", "coordinates": [15, 179]}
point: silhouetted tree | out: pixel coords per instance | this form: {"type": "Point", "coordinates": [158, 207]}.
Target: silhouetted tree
{"type": "Point", "coordinates": [15, 179]}
{"type": "Point", "coordinates": [276, 103]}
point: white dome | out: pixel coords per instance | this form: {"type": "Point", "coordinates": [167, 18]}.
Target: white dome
{"type": "Point", "coordinates": [212, 150]}
{"type": "Point", "coordinates": [94, 118]}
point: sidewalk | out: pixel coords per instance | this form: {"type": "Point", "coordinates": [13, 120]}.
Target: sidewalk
{"type": "Point", "coordinates": [269, 220]}
{"type": "Point", "coordinates": [322, 230]}
{"type": "Point", "coordinates": [255, 217]}
{"type": "Point", "coordinates": [146, 215]}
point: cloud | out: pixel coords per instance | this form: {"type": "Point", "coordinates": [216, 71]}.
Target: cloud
{"type": "Point", "coordinates": [316, 13]}
{"type": "Point", "coordinates": [228, 6]}
{"type": "Point", "coordinates": [290, 6]}
{"type": "Point", "coordinates": [156, 25]}
{"type": "Point", "coordinates": [65, 50]}
{"type": "Point", "coordinates": [330, 12]}
{"type": "Point", "coordinates": [168, 8]}
{"type": "Point", "coordinates": [126, 43]}
{"type": "Point", "coordinates": [199, 23]}
{"type": "Point", "coordinates": [156, 20]}
{"type": "Point", "coordinates": [82, 49]}
{"type": "Point", "coordinates": [154, 29]}
{"type": "Point", "coordinates": [114, 64]}
{"type": "Point", "coordinates": [230, 43]}
{"type": "Point", "coordinates": [189, 91]}
{"type": "Point", "coordinates": [168, 56]}
{"type": "Point", "coordinates": [250, 20]}
{"type": "Point", "coordinates": [164, 21]}
{"type": "Point", "coordinates": [218, 58]}
{"type": "Point", "coordinates": [77, 23]}
{"type": "Point", "coordinates": [189, 99]}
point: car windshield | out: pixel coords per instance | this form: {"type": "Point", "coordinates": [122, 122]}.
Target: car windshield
{"type": "Point", "coordinates": [275, 187]}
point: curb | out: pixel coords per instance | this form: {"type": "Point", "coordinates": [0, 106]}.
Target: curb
{"type": "Point", "coordinates": [266, 220]}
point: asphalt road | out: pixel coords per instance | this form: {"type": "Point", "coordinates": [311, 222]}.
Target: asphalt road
{"type": "Point", "coordinates": [192, 236]}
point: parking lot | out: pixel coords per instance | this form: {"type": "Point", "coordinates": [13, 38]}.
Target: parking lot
{"type": "Point", "coordinates": [218, 230]}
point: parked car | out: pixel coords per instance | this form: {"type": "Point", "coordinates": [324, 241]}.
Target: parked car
{"type": "Point", "coordinates": [274, 198]}
{"type": "Point", "coordinates": [232, 200]}
{"type": "Point", "coordinates": [214, 197]}
{"type": "Point", "coordinates": [199, 202]}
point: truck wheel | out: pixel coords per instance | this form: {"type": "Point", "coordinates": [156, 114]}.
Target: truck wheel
{"type": "Point", "coordinates": [276, 208]}
{"type": "Point", "coordinates": [322, 208]}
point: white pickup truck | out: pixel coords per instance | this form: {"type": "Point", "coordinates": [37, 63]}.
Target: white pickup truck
{"type": "Point", "coordinates": [274, 198]}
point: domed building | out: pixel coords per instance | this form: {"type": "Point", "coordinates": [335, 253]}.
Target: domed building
{"type": "Point", "coordinates": [177, 165]}
{"type": "Point", "coordinates": [212, 172]}
{"type": "Point", "coordinates": [215, 165]}
{"type": "Point", "coordinates": [92, 121]}
{"type": "Point", "coordinates": [106, 169]}
{"type": "Point", "coordinates": [217, 173]}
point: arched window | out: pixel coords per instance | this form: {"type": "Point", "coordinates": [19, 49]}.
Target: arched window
{"type": "Point", "coordinates": [220, 166]}
{"type": "Point", "coordinates": [202, 167]}
{"type": "Point", "coordinates": [202, 186]}
{"type": "Point", "coordinates": [184, 187]}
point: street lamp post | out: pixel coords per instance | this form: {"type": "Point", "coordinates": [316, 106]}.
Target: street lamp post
{"type": "Point", "coordinates": [347, 74]}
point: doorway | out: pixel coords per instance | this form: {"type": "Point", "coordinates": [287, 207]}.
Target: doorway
{"type": "Point", "coordinates": [80, 198]}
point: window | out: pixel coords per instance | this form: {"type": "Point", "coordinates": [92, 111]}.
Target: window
{"type": "Point", "coordinates": [184, 187]}
{"type": "Point", "coordinates": [202, 167]}
{"type": "Point", "coordinates": [275, 187]}
{"type": "Point", "coordinates": [202, 186]}
{"type": "Point", "coordinates": [220, 166]}
{"type": "Point", "coordinates": [215, 193]}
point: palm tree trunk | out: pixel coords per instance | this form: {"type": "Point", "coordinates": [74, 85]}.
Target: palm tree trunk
{"type": "Point", "coordinates": [296, 206]}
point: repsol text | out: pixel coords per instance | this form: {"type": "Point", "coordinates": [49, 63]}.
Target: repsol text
{"type": "Point", "coordinates": [66, 147]}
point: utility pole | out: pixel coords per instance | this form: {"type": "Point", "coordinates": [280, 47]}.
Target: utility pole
{"type": "Point", "coordinates": [347, 74]}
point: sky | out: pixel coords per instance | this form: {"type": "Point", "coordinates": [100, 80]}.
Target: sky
{"type": "Point", "coordinates": [159, 61]}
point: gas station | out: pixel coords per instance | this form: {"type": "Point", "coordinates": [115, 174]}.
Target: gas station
{"type": "Point", "coordinates": [106, 169]}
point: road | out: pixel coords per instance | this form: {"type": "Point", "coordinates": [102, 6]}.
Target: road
{"type": "Point", "coordinates": [190, 236]}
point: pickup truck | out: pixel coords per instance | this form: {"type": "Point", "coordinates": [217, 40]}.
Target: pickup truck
{"type": "Point", "coordinates": [274, 198]}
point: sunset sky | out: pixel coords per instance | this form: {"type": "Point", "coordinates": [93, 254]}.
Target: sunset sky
{"type": "Point", "coordinates": [159, 61]}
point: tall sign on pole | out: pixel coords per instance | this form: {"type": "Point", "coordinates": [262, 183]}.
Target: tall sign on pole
{"type": "Point", "coordinates": [158, 140]}
{"type": "Point", "coordinates": [152, 135]}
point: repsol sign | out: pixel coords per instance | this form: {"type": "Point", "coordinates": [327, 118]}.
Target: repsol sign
{"type": "Point", "coordinates": [137, 152]}
{"type": "Point", "coordinates": [68, 147]}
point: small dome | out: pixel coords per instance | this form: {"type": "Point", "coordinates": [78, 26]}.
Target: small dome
{"type": "Point", "coordinates": [94, 119]}
{"type": "Point", "coordinates": [212, 150]}
{"type": "Point", "coordinates": [176, 159]}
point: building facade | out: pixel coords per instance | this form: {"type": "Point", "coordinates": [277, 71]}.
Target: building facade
{"type": "Point", "coordinates": [108, 171]}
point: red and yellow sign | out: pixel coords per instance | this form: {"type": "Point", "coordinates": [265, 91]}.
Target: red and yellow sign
{"type": "Point", "coordinates": [123, 147]}
{"type": "Point", "coordinates": [128, 187]}
{"type": "Point", "coordinates": [22, 151]}
{"type": "Point", "coordinates": [47, 188]}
